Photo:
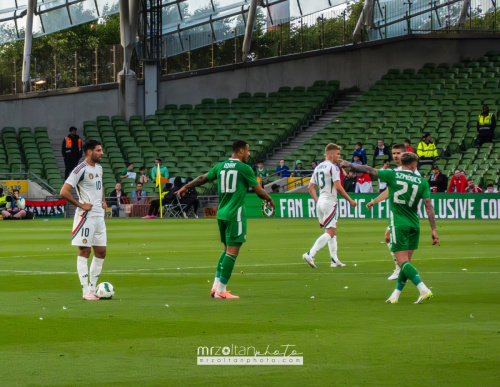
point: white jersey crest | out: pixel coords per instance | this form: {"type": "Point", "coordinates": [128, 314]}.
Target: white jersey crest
{"type": "Point", "coordinates": [87, 180]}
{"type": "Point", "coordinates": [324, 176]}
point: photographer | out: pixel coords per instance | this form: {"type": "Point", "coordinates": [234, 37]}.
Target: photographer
{"type": "Point", "coordinates": [3, 199]}
{"type": "Point", "coordinates": [15, 207]}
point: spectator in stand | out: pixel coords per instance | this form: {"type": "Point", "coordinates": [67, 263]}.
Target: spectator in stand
{"type": "Point", "coordinates": [117, 197]}
{"type": "Point", "coordinates": [486, 124]}
{"type": "Point", "coordinates": [437, 181]}
{"type": "Point", "coordinates": [143, 177]}
{"type": "Point", "coordinates": [491, 189]}
{"type": "Point", "coordinates": [363, 183]}
{"type": "Point", "coordinates": [426, 150]}
{"type": "Point", "coordinates": [154, 207]}
{"type": "Point", "coordinates": [471, 187]}
{"type": "Point", "coordinates": [14, 208]}
{"type": "Point", "coordinates": [275, 188]}
{"type": "Point", "coordinates": [3, 199]}
{"type": "Point", "coordinates": [71, 151]}
{"type": "Point", "coordinates": [350, 181]}
{"type": "Point", "coordinates": [360, 151]}
{"type": "Point", "coordinates": [261, 171]}
{"type": "Point", "coordinates": [314, 164]}
{"type": "Point", "coordinates": [128, 173]}
{"type": "Point", "coordinates": [381, 150]}
{"type": "Point", "coordinates": [356, 160]}
{"type": "Point", "coordinates": [283, 170]}
{"type": "Point", "coordinates": [408, 146]}
{"type": "Point", "coordinates": [190, 199]}
{"type": "Point", "coordinates": [163, 170]}
{"type": "Point", "coordinates": [458, 183]}
{"type": "Point", "coordinates": [382, 186]}
{"type": "Point", "coordinates": [139, 196]}
{"type": "Point", "coordinates": [299, 171]}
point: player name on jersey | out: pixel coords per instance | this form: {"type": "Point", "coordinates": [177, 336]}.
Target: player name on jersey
{"type": "Point", "coordinates": [447, 206]}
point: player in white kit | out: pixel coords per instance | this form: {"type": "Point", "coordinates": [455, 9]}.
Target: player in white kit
{"type": "Point", "coordinates": [89, 229]}
{"type": "Point", "coordinates": [397, 151]}
{"type": "Point", "coordinates": [327, 177]}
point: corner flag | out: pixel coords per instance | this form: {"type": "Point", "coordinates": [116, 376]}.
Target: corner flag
{"type": "Point", "coordinates": [158, 184]}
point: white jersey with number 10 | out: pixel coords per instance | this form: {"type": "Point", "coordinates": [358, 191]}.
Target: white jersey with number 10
{"type": "Point", "coordinates": [324, 176]}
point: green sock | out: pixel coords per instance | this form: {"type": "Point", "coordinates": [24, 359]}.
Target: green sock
{"type": "Point", "coordinates": [401, 281]}
{"type": "Point", "coordinates": [411, 273]}
{"type": "Point", "coordinates": [219, 264]}
{"type": "Point", "coordinates": [227, 268]}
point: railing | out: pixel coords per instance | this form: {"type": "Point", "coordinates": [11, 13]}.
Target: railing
{"type": "Point", "coordinates": [29, 176]}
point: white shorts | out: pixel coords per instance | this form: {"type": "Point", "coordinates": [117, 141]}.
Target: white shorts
{"type": "Point", "coordinates": [88, 232]}
{"type": "Point", "coordinates": [328, 214]}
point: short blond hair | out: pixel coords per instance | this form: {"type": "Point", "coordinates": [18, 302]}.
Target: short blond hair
{"type": "Point", "coordinates": [407, 158]}
{"type": "Point", "coordinates": [331, 147]}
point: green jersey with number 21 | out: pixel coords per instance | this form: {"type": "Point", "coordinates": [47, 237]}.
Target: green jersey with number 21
{"type": "Point", "coordinates": [405, 191]}
{"type": "Point", "coordinates": [234, 178]}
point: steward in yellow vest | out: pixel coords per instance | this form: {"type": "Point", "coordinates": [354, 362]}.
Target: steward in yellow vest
{"type": "Point", "coordinates": [486, 124]}
{"type": "Point", "coordinates": [426, 149]}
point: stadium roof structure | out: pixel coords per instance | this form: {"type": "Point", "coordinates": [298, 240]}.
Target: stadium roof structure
{"type": "Point", "coordinates": [179, 17]}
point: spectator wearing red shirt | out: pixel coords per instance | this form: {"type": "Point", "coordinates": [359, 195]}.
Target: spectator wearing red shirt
{"type": "Point", "coordinates": [471, 188]}
{"type": "Point", "coordinates": [458, 183]}
{"type": "Point", "coordinates": [408, 146]}
{"type": "Point", "coordinates": [363, 183]}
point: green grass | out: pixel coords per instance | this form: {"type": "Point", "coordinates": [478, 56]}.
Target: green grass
{"type": "Point", "coordinates": [347, 333]}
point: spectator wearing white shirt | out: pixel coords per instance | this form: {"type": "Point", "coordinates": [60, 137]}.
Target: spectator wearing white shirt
{"type": "Point", "coordinates": [381, 185]}
{"type": "Point", "coordinates": [363, 183]}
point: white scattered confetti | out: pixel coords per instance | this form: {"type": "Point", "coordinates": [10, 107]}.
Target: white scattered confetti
{"type": "Point", "coordinates": [346, 287]}
{"type": "Point", "coordinates": [464, 269]}
{"type": "Point", "coordinates": [167, 305]}
{"type": "Point", "coordinates": [355, 264]}
{"type": "Point", "coordinates": [64, 307]}
{"type": "Point", "coordinates": [312, 296]}
{"type": "Point", "coordinates": [147, 258]}
{"type": "Point", "coordinates": [41, 318]}
{"type": "Point", "coordinates": [471, 316]}
{"type": "Point", "coordinates": [208, 281]}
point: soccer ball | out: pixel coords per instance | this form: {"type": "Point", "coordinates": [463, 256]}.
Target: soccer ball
{"type": "Point", "coordinates": [105, 291]}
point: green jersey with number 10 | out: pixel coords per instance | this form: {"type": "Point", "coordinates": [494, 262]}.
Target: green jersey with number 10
{"type": "Point", "coordinates": [234, 178]}
{"type": "Point", "coordinates": [405, 191]}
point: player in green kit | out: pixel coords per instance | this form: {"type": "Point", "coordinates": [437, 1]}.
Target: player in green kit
{"type": "Point", "coordinates": [405, 191]}
{"type": "Point", "coordinates": [234, 178]}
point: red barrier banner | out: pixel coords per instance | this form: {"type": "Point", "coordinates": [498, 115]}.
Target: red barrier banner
{"type": "Point", "coordinates": [46, 209]}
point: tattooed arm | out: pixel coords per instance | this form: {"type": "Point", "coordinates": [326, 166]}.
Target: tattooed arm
{"type": "Point", "coordinates": [361, 168]}
{"type": "Point", "coordinates": [432, 220]}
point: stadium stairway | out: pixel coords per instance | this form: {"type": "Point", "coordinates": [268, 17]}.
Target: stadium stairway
{"type": "Point", "coordinates": [294, 143]}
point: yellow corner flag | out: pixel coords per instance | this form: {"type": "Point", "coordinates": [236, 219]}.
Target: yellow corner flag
{"type": "Point", "coordinates": [158, 184]}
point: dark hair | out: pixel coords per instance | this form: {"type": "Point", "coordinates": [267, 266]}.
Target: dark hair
{"type": "Point", "coordinates": [72, 128]}
{"type": "Point", "coordinates": [1, 191]}
{"type": "Point", "coordinates": [238, 144]}
{"type": "Point", "coordinates": [381, 139]}
{"type": "Point", "coordinates": [142, 168]}
{"type": "Point", "coordinates": [408, 157]}
{"type": "Point", "coordinates": [399, 146]}
{"type": "Point", "coordinates": [387, 161]}
{"type": "Point", "coordinates": [456, 169]}
{"type": "Point", "coordinates": [407, 140]}
{"type": "Point", "coordinates": [178, 181]}
{"type": "Point", "coordinates": [434, 167]}
{"type": "Point", "coordinates": [426, 135]}
{"type": "Point", "coordinates": [168, 186]}
{"type": "Point", "coordinates": [129, 164]}
{"type": "Point", "coordinates": [138, 183]}
{"type": "Point", "coordinates": [489, 185]}
{"type": "Point", "coordinates": [274, 186]}
{"type": "Point", "coordinates": [158, 159]}
{"type": "Point", "coordinates": [356, 155]}
{"type": "Point", "coordinates": [16, 190]}
{"type": "Point", "coordinates": [90, 145]}
{"type": "Point", "coordinates": [359, 143]}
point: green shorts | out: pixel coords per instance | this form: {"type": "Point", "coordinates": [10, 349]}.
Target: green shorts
{"type": "Point", "coordinates": [233, 233]}
{"type": "Point", "coordinates": [404, 238]}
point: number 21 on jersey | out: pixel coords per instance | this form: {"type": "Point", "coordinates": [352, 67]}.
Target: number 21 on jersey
{"type": "Point", "coordinates": [402, 191]}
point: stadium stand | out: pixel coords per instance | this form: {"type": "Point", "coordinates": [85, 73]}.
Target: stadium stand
{"type": "Point", "coordinates": [442, 99]}
{"type": "Point", "coordinates": [190, 139]}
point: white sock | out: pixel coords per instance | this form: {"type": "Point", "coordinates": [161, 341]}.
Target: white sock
{"type": "Point", "coordinates": [95, 272]}
{"type": "Point", "coordinates": [83, 273]}
{"type": "Point", "coordinates": [216, 282]}
{"type": "Point", "coordinates": [393, 256]}
{"type": "Point", "coordinates": [332, 245]}
{"type": "Point", "coordinates": [319, 244]}
{"type": "Point", "coordinates": [396, 293]}
{"type": "Point", "coordinates": [422, 288]}
{"type": "Point", "coordinates": [221, 288]}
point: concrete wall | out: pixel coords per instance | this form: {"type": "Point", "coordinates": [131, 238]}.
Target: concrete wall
{"type": "Point", "coordinates": [359, 66]}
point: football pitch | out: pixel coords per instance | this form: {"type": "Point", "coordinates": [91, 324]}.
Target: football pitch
{"type": "Point", "coordinates": [150, 333]}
